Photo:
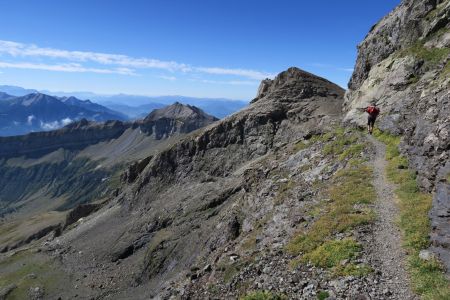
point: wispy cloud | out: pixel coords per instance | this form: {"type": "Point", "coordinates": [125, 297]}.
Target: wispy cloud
{"type": "Point", "coordinates": [347, 69]}
{"type": "Point", "coordinates": [171, 78]}
{"type": "Point", "coordinates": [72, 68]}
{"type": "Point", "coordinates": [30, 50]}
{"type": "Point", "coordinates": [126, 63]}
{"type": "Point", "coordinates": [238, 72]}
{"type": "Point", "coordinates": [30, 119]}
{"type": "Point", "coordinates": [328, 66]}
{"type": "Point", "coordinates": [55, 124]}
{"type": "Point", "coordinates": [230, 82]}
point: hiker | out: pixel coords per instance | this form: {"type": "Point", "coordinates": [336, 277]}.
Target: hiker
{"type": "Point", "coordinates": [373, 112]}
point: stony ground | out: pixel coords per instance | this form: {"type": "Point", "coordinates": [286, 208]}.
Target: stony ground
{"type": "Point", "coordinates": [269, 268]}
{"type": "Point", "coordinates": [388, 254]}
{"type": "Point", "coordinates": [284, 202]}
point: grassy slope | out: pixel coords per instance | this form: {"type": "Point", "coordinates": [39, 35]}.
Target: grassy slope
{"type": "Point", "coordinates": [347, 209]}
{"type": "Point", "coordinates": [27, 270]}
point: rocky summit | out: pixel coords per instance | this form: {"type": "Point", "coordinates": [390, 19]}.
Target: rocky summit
{"type": "Point", "coordinates": [289, 198]}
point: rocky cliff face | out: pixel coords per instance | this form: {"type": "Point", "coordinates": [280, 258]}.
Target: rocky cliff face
{"type": "Point", "coordinates": [404, 65]}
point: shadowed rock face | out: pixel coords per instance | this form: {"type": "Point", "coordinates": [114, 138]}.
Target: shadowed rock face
{"type": "Point", "coordinates": [404, 65]}
{"type": "Point", "coordinates": [178, 207]}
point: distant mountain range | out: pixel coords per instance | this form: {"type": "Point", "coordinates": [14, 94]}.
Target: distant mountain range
{"type": "Point", "coordinates": [84, 160]}
{"type": "Point", "coordinates": [135, 106]}
{"type": "Point", "coordinates": [41, 112]}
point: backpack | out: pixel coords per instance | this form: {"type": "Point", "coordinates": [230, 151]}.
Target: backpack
{"type": "Point", "coordinates": [372, 110]}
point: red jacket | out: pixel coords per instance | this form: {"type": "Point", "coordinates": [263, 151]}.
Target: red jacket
{"type": "Point", "coordinates": [372, 110]}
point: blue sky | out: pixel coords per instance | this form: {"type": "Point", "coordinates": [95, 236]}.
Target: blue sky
{"type": "Point", "coordinates": [200, 48]}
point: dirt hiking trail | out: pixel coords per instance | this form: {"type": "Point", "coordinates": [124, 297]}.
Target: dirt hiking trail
{"type": "Point", "coordinates": [388, 254]}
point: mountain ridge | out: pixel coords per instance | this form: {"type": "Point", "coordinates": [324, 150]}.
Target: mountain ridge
{"type": "Point", "coordinates": [37, 111]}
{"type": "Point", "coordinates": [138, 106]}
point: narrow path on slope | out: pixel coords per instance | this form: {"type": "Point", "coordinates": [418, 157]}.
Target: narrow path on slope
{"type": "Point", "coordinates": [388, 255]}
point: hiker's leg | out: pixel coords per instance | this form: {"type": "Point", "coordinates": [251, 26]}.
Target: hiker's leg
{"type": "Point", "coordinates": [371, 122]}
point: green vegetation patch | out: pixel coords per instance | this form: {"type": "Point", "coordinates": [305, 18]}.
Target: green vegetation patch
{"type": "Point", "coordinates": [26, 271]}
{"type": "Point", "coordinates": [229, 270]}
{"type": "Point", "coordinates": [350, 187]}
{"type": "Point", "coordinates": [322, 295]}
{"type": "Point", "coordinates": [263, 295]}
{"type": "Point", "coordinates": [350, 192]}
{"type": "Point", "coordinates": [352, 269]}
{"type": "Point", "coordinates": [446, 71]}
{"type": "Point", "coordinates": [339, 142]}
{"type": "Point", "coordinates": [428, 278]}
{"type": "Point", "coordinates": [431, 56]}
{"type": "Point", "coordinates": [343, 144]}
{"type": "Point", "coordinates": [331, 253]}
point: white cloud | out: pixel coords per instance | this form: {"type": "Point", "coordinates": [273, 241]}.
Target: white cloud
{"type": "Point", "coordinates": [347, 69]}
{"type": "Point", "coordinates": [328, 66]}
{"type": "Point", "coordinates": [72, 68]}
{"type": "Point", "coordinates": [230, 82]}
{"type": "Point", "coordinates": [50, 125]}
{"type": "Point", "coordinates": [55, 124]}
{"type": "Point", "coordinates": [125, 62]}
{"type": "Point", "coordinates": [237, 72]}
{"type": "Point", "coordinates": [30, 119]}
{"type": "Point", "coordinates": [19, 49]}
{"type": "Point", "coordinates": [171, 78]}
{"type": "Point", "coordinates": [66, 121]}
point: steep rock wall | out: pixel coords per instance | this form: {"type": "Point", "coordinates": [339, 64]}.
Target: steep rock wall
{"type": "Point", "coordinates": [404, 65]}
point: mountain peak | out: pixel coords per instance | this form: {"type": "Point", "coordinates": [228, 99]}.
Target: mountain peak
{"type": "Point", "coordinates": [297, 83]}
{"type": "Point", "coordinates": [178, 111]}
{"type": "Point", "coordinates": [175, 118]}
{"type": "Point", "coordinates": [37, 98]}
